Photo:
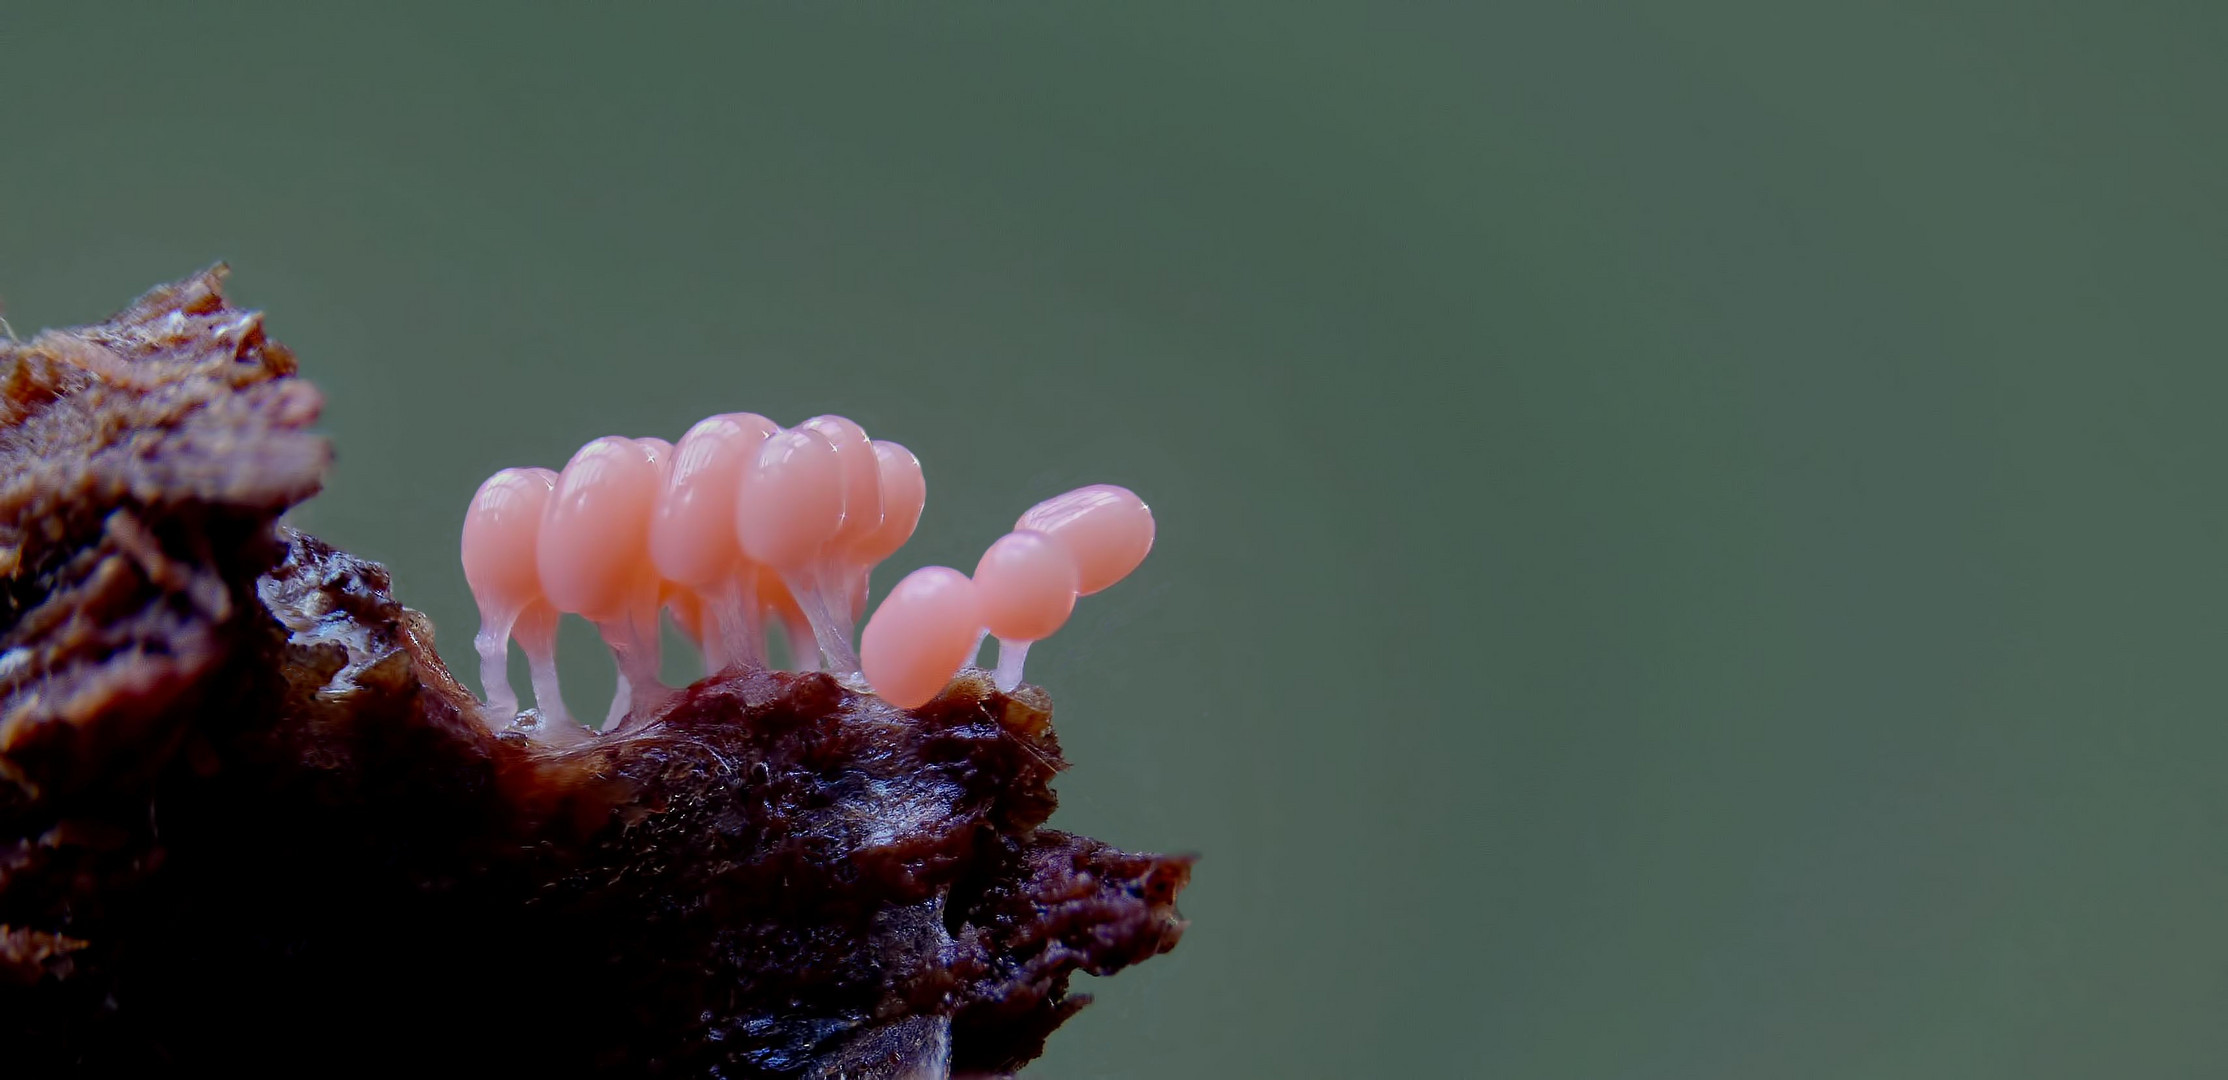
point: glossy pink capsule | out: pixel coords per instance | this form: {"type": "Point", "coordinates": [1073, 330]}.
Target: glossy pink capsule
{"type": "Point", "coordinates": [920, 636]}
{"type": "Point", "coordinates": [692, 533]}
{"type": "Point", "coordinates": [500, 531]}
{"type": "Point", "coordinates": [862, 478]}
{"type": "Point", "coordinates": [788, 515]}
{"type": "Point", "coordinates": [593, 551]}
{"type": "Point", "coordinates": [904, 493]}
{"type": "Point", "coordinates": [1026, 584]}
{"type": "Point", "coordinates": [594, 558]}
{"type": "Point", "coordinates": [501, 527]}
{"type": "Point", "coordinates": [791, 501]}
{"type": "Point", "coordinates": [1108, 530]}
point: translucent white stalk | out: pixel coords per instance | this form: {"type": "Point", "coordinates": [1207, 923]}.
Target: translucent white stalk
{"type": "Point", "coordinates": [1011, 655]}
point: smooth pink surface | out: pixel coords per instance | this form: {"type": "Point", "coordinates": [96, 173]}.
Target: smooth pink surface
{"type": "Point", "coordinates": [594, 544]}
{"type": "Point", "coordinates": [920, 636]}
{"type": "Point", "coordinates": [1026, 586]}
{"type": "Point", "coordinates": [500, 529]}
{"type": "Point", "coordinates": [692, 531]}
{"type": "Point", "coordinates": [904, 492]}
{"type": "Point", "coordinates": [1107, 528]}
{"type": "Point", "coordinates": [688, 613]}
{"type": "Point", "coordinates": [791, 501]}
{"type": "Point", "coordinates": [774, 598]}
{"type": "Point", "coordinates": [536, 631]}
{"type": "Point", "coordinates": [862, 477]}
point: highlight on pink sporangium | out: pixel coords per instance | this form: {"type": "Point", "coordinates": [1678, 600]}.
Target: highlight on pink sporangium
{"type": "Point", "coordinates": [921, 635]}
{"type": "Point", "coordinates": [742, 526]}
{"type": "Point", "coordinates": [501, 529]}
{"type": "Point", "coordinates": [593, 556]}
{"type": "Point", "coordinates": [693, 544]}
{"type": "Point", "coordinates": [1108, 530]}
{"type": "Point", "coordinates": [1027, 586]}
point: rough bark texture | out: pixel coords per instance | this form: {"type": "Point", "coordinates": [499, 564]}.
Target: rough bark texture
{"type": "Point", "coordinates": [248, 820]}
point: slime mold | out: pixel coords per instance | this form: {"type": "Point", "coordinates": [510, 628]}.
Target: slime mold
{"type": "Point", "coordinates": [760, 524]}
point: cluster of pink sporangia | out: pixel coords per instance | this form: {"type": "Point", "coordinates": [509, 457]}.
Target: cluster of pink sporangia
{"type": "Point", "coordinates": [743, 523]}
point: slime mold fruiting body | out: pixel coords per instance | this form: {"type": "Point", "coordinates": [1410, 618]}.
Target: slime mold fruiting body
{"type": "Point", "coordinates": [593, 556]}
{"type": "Point", "coordinates": [745, 523]}
{"type": "Point", "coordinates": [500, 536]}
{"type": "Point", "coordinates": [1107, 529]}
{"type": "Point", "coordinates": [693, 542]}
{"type": "Point", "coordinates": [788, 515]}
{"type": "Point", "coordinates": [921, 635]}
{"type": "Point", "coordinates": [1027, 587]}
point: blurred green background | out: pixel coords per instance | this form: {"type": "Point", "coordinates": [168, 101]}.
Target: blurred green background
{"type": "Point", "coordinates": [1691, 535]}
